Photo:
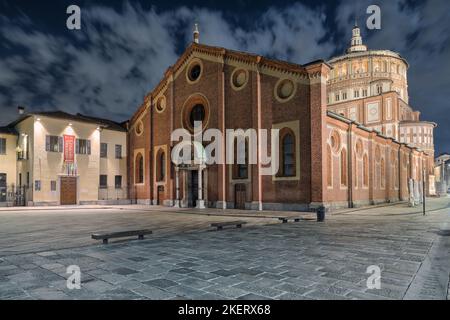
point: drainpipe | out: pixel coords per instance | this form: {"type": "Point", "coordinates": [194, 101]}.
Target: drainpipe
{"type": "Point", "coordinates": [399, 168]}
{"type": "Point", "coordinates": [350, 165]}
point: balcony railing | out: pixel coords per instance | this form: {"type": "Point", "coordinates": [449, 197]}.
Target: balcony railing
{"type": "Point", "coordinates": [15, 195]}
{"type": "Point", "coordinates": [113, 193]}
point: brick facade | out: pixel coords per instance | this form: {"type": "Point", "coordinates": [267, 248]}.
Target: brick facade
{"type": "Point", "coordinates": [268, 94]}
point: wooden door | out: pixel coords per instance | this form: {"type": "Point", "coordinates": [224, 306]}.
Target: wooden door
{"type": "Point", "coordinates": [239, 196]}
{"type": "Point", "coordinates": [160, 196]}
{"type": "Point", "coordinates": [68, 193]}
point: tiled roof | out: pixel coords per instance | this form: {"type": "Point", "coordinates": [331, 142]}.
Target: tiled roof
{"type": "Point", "coordinates": [104, 123]}
{"type": "Point", "coordinates": [8, 130]}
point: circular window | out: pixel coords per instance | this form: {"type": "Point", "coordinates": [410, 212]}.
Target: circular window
{"type": "Point", "coordinates": [285, 90]}
{"type": "Point", "coordinates": [161, 104]}
{"type": "Point", "coordinates": [196, 108]}
{"type": "Point", "coordinates": [194, 71]}
{"type": "Point", "coordinates": [335, 141]}
{"type": "Point", "coordinates": [239, 79]}
{"type": "Point", "coordinates": [197, 114]}
{"type": "Point", "coordinates": [139, 129]}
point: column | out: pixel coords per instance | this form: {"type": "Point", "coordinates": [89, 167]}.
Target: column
{"type": "Point", "coordinates": [200, 201]}
{"type": "Point", "coordinates": [177, 186]}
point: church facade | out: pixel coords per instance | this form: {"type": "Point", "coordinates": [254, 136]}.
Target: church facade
{"type": "Point", "coordinates": [326, 157]}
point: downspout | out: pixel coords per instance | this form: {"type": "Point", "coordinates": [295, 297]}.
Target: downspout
{"type": "Point", "coordinates": [150, 153]}
{"type": "Point", "coordinates": [350, 166]}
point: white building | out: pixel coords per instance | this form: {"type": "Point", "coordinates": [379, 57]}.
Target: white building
{"type": "Point", "coordinates": [56, 158]}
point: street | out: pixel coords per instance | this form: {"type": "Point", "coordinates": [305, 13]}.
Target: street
{"type": "Point", "coordinates": [186, 259]}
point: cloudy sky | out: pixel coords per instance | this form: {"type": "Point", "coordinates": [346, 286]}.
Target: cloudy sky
{"type": "Point", "coordinates": [124, 47]}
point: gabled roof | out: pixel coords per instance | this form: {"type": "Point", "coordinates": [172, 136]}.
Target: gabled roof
{"type": "Point", "coordinates": [224, 53]}
{"type": "Point", "coordinates": [104, 123]}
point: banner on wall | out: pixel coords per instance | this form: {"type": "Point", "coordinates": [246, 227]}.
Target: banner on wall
{"type": "Point", "coordinates": [69, 148]}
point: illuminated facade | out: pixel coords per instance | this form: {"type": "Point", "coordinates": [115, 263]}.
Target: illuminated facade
{"type": "Point", "coordinates": [64, 159]}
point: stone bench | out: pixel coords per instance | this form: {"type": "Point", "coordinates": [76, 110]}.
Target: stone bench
{"type": "Point", "coordinates": [120, 234]}
{"type": "Point", "coordinates": [220, 225]}
{"type": "Point", "coordinates": [287, 219]}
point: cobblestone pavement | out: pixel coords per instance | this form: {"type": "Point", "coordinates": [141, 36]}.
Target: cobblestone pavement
{"type": "Point", "coordinates": [38, 230]}
{"type": "Point", "coordinates": [304, 260]}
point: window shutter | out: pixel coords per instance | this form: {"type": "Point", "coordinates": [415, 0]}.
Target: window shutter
{"type": "Point", "coordinates": [47, 143]}
{"type": "Point", "coordinates": [88, 142]}
{"type": "Point", "coordinates": [60, 144]}
{"type": "Point", "coordinates": [77, 146]}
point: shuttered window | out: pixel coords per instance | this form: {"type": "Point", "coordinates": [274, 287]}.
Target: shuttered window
{"type": "Point", "coordinates": [2, 146]}
{"type": "Point", "coordinates": [118, 151]}
{"type": "Point", "coordinates": [83, 146]}
{"type": "Point", "coordinates": [103, 181]}
{"type": "Point", "coordinates": [53, 144]}
{"type": "Point", "coordinates": [103, 150]}
{"type": "Point", "coordinates": [118, 182]}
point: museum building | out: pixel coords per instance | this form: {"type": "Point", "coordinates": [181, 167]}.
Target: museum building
{"type": "Point", "coordinates": [332, 153]}
{"type": "Point", "coordinates": [56, 158]}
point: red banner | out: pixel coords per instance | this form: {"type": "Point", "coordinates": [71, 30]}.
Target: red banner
{"type": "Point", "coordinates": [69, 148]}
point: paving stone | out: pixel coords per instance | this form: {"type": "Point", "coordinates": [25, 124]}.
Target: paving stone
{"type": "Point", "coordinates": [251, 296]}
{"type": "Point", "coordinates": [324, 295]}
{"type": "Point", "coordinates": [287, 287]}
{"type": "Point", "coordinates": [153, 293]}
{"type": "Point", "coordinates": [203, 275]}
{"type": "Point", "coordinates": [280, 261]}
{"type": "Point", "coordinates": [293, 296]}
{"type": "Point", "coordinates": [260, 290]}
{"type": "Point", "coordinates": [185, 291]}
{"type": "Point", "coordinates": [161, 283]}
{"type": "Point", "coordinates": [357, 295]}
{"type": "Point", "coordinates": [98, 286]}
{"type": "Point", "coordinates": [182, 270]}
{"type": "Point", "coordinates": [194, 283]}
{"type": "Point", "coordinates": [124, 271]}
{"type": "Point", "coordinates": [138, 259]}
{"type": "Point", "coordinates": [224, 273]}
{"type": "Point", "coordinates": [228, 292]}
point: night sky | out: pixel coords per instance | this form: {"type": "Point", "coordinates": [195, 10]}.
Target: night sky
{"type": "Point", "coordinates": [124, 47]}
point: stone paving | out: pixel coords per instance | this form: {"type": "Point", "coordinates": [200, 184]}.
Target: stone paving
{"type": "Point", "coordinates": [305, 260]}
{"type": "Point", "coordinates": [38, 230]}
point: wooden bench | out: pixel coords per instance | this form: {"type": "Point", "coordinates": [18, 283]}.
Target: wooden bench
{"type": "Point", "coordinates": [287, 219]}
{"type": "Point", "coordinates": [120, 234]}
{"type": "Point", "coordinates": [220, 225]}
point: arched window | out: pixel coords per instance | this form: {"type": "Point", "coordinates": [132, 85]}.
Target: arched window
{"type": "Point", "coordinates": [329, 167]}
{"type": "Point", "coordinates": [139, 167]}
{"type": "Point", "coordinates": [343, 167]}
{"type": "Point", "coordinates": [288, 153]}
{"type": "Point", "coordinates": [197, 114]}
{"type": "Point", "coordinates": [365, 171]}
{"type": "Point", "coordinates": [161, 167]}
{"type": "Point", "coordinates": [379, 89]}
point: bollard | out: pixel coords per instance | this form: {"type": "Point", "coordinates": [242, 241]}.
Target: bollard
{"type": "Point", "coordinates": [321, 214]}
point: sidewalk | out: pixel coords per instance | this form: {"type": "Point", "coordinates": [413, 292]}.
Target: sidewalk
{"type": "Point", "coordinates": [432, 204]}
{"type": "Point", "coordinates": [398, 208]}
{"type": "Point", "coordinates": [47, 208]}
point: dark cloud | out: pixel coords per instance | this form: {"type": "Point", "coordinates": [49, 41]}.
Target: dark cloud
{"type": "Point", "coordinates": [420, 32]}
{"type": "Point", "coordinates": [121, 54]}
